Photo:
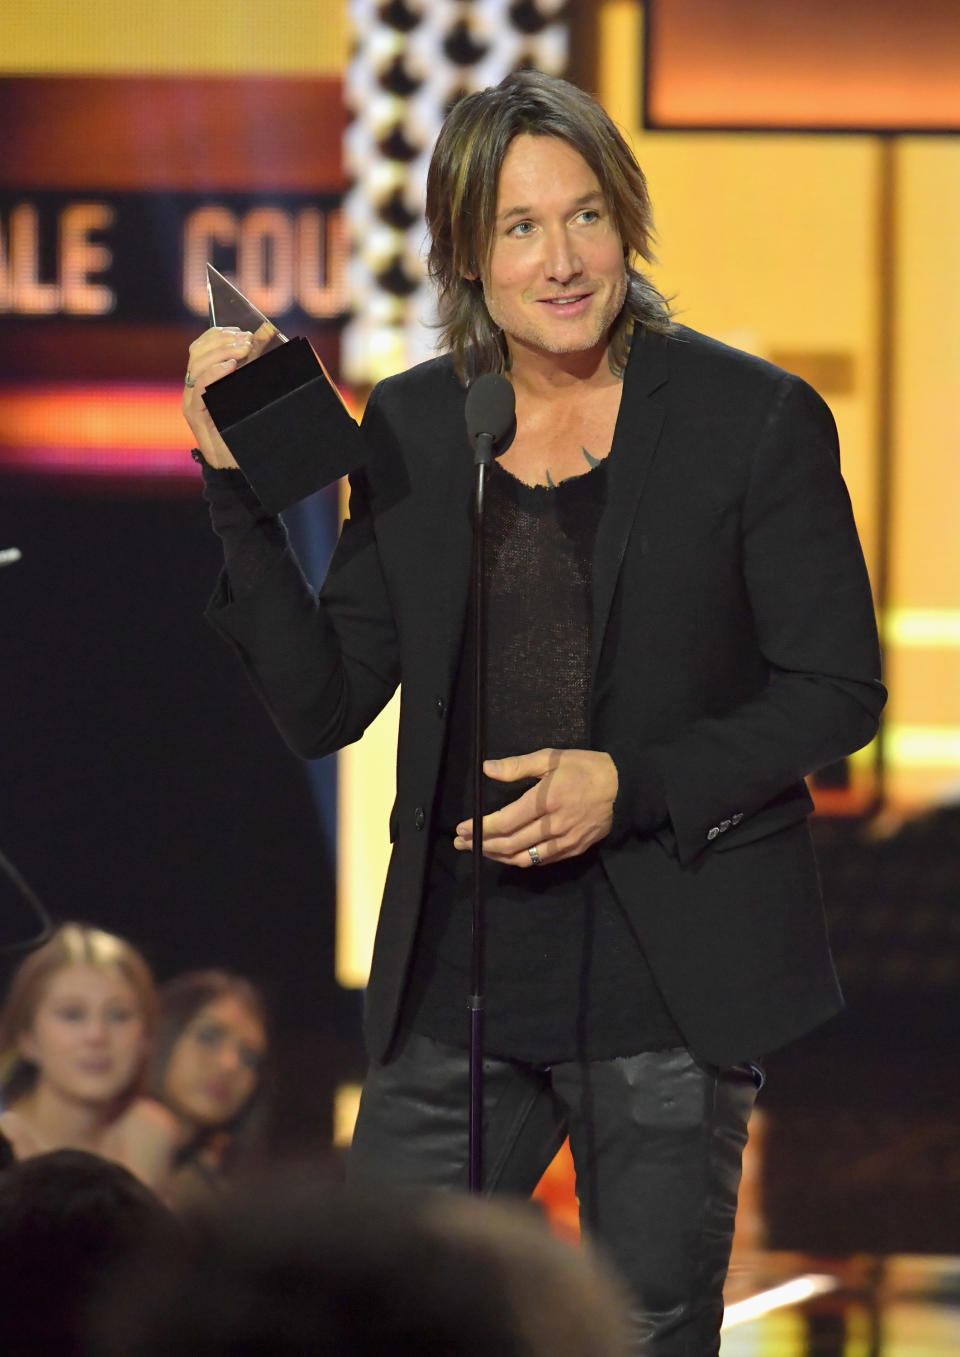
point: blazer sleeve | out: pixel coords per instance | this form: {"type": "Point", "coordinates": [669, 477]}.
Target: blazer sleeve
{"type": "Point", "coordinates": [726, 777]}
{"type": "Point", "coordinates": [324, 665]}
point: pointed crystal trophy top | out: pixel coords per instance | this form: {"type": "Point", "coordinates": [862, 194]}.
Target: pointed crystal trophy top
{"type": "Point", "coordinates": [228, 306]}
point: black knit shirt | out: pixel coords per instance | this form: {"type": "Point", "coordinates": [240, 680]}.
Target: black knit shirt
{"type": "Point", "coordinates": [566, 976]}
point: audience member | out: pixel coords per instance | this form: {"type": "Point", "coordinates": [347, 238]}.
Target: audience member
{"type": "Point", "coordinates": [208, 1069]}
{"type": "Point", "coordinates": [67, 1219]}
{"type": "Point", "coordinates": [302, 1270]}
{"type": "Point", "coordinates": [75, 1035]}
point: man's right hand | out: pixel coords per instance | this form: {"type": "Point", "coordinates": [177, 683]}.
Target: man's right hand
{"type": "Point", "coordinates": [218, 351]}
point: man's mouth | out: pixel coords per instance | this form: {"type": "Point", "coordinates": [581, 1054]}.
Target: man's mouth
{"type": "Point", "coordinates": [568, 300]}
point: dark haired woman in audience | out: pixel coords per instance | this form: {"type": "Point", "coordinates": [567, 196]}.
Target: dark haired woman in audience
{"type": "Point", "coordinates": [75, 1036]}
{"type": "Point", "coordinates": [208, 1070]}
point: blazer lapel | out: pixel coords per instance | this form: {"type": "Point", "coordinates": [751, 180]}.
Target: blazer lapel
{"type": "Point", "coordinates": [451, 532]}
{"type": "Point", "coordinates": [635, 439]}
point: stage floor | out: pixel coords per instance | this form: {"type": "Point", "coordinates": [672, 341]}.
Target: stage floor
{"type": "Point", "coordinates": [902, 1306]}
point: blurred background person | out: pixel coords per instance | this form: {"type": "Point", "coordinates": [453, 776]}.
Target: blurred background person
{"type": "Point", "coordinates": [209, 1070]}
{"type": "Point", "coordinates": [300, 1268]}
{"type": "Point", "coordinates": [66, 1220]}
{"type": "Point", "coordinates": [75, 1036]}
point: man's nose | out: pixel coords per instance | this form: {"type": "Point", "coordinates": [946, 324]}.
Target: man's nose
{"type": "Point", "coordinates": [562, 259]}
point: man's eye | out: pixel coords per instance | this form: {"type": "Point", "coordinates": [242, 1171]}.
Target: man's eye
{"type": "Point", "coordinates": [521, 228]}
{"type": "Point", "coordinates": [589, 214]}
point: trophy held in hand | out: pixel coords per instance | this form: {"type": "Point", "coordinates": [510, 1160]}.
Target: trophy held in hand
{"type": "Point", "coordinates": [279, 414]}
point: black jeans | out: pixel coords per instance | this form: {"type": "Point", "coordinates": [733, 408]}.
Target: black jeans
{"type": "Point", "coordinates": [656, 1138]}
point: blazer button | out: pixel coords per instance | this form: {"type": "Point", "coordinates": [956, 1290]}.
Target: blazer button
{"type": "Point", "coordinates": [735, 819]}
{"type": "Point", "coordinates": [724, 826]}
{"type": "Point", "coordinates": [439, 706]}
{"type": "Point", "coordinates": [712, 833]}
{"type": "Point", "coordinates": [419, 819]}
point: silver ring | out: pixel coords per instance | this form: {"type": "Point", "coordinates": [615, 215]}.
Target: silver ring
{"type": "Point", "coordinates": [535, 856]}
{"type": "Point", "coordinates": [188, 380]}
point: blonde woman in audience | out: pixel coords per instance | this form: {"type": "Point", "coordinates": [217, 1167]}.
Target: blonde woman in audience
{"type": "Point", "coordinates": [208, 1069]}
{"type": "Point", "coordinates": [75, 1038]}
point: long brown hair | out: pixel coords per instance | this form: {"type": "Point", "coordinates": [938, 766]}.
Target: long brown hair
{"type": "Point", "coordinates": [462, 184]}
{"type": "Point", "coordinates": [73, 944]}
{"type": "Point", "coordinates": [181, 999]}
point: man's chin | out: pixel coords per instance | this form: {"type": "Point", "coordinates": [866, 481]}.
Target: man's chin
{"type": "Point", "coordinates": [561, 348]}
{"type": "Point", "coordinates": [542, 340]}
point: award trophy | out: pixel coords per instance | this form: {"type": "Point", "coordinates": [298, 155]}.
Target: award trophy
{"type": "Point", "coordinates": [279, 413]}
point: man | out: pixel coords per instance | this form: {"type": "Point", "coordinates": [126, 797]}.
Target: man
{"type": "Point", "coordinates": [680, 628]}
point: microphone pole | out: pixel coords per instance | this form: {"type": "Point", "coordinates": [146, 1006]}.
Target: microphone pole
{"type": "Point", "coordinates": [490, 424]}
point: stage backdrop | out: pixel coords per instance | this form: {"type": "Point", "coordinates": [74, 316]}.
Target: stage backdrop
{"type": "Point", "coordinates": [141, 786]}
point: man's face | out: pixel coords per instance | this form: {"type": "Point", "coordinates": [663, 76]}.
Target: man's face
{"type": "Point", "coordinates": [556, 280]}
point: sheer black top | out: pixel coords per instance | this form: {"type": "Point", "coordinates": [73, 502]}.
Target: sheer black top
{"type": "Point", "coordinates": [566, 977]}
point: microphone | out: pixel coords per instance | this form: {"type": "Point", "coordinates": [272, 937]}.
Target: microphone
{"type": "Point", "coordinates": [9, 555]}
{"type": "Point", "coordinates": [491, 416]}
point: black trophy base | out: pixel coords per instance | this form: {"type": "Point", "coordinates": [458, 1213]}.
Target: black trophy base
{"type": "Point", "coordinates": [285, 424]}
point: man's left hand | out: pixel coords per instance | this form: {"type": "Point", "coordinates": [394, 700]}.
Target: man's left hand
{"type": "Point", "coordinates": [569, 809]}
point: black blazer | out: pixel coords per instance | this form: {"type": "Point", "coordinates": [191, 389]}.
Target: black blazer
{"type": "Point", "coordinates": [735, 652]}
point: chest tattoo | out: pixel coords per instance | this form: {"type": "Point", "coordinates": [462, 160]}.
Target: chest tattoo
{"type": "Point", "coordinates": [590, 460]}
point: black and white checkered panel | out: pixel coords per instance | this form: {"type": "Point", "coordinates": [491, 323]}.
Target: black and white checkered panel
{"type": "Point", "coordinates": [411, 60]}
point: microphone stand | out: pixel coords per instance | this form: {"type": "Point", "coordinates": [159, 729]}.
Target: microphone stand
{"type": "Point", "coordinates": [490, 414]}
{"type": "Point", "coordinates": [483, 456]}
